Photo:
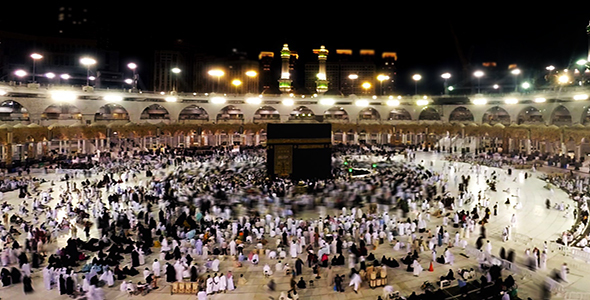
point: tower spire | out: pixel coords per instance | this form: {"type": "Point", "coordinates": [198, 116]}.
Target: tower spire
{"type": "Point", "coordinates": [285, 80]}
{"type": "Point", "coordinates": [322, 81]}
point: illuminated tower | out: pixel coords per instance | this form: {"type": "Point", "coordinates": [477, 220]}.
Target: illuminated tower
{"type": "Point", "coordinates": [321, 82]}
{"type": "Point", "coordinates": [588, 33]}
{"type": "Point", "coordinates": [285, 81]}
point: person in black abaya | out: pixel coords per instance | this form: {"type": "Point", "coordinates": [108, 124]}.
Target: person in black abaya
{"type": "Point", "coordinates": [16, 275]}
{"type": "Point", "coordinates": [176, 253]}
{"type": "Point", "coordinates": [62, 285]}
{"type": "Point", "coordinates": [6, 277]}
{"type": "Point", "coordinates": [27, 285]}
{"type": "Point", "coordinates": [134, 258]}
{"type": "Point", "coordinates": [194, 274]}
{"type": "Point", "coordinates": [69, 285]}
{"type": "Point", "coordinates": [298, 265]}
{"type": "Point", "coordinates": [170, 273]}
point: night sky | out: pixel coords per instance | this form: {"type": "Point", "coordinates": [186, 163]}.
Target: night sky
{"type": "Point", "coordinates": [428, 40]}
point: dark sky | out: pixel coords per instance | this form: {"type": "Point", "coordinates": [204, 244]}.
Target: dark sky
{"type": "Point", "coordinates": [427, 39]}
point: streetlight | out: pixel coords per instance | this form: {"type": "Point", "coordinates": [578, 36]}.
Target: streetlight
{"type": "Point", "coordinates": [446, 77]}
{"type": "Point", "coordinates": [416, 78]}
{"type": "Point", "coordinates": [236, 83]}
{"type": "Point", "coordinates": [20, 73]}
{"type": "Point", "coordinates": [175, 71]}
{"type": "Point", "coordinates": [381, 77]}
{"type": "Point", "coordinates": [133, 66]}
{"type": "Point", "coordinates": [515, 72]}
{"type": "Point", "coordinates": [478, 74]}
{"type": "Point", "coordinates": [366, 85]}
{"type": "Point", "coordinates": [35, 57]}
{"type": "Point", "coordinates": [251, 74]}
{"type": "Point", "coordinates": [217, 73]}
{"type": "Point", "coordinates": [352, 78]}
{"type": "Point", "coordinates": [87, 61]}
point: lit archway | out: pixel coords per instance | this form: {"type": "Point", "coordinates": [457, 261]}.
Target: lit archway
{"type": "Point", "coordinates": [155, 112]}
{"type": "Point", "coordinates": [230, 113]}
{"type": "Point", "coordinates": [530, 115]}
{"type": "Point", "coordinates": [429, 114]}
{"type": "Point", "coordinates": [267, 114]}
{"type": "Point", "coordinates": [561, 116]}
{"type": "Point", "coordinates": [11, 110]}
{"type": "Point", "coordinates": [496, 115]}
{"type": "Point", "coordinates": [336, 113]}
{"type": "Point", "coordinates": [193, 112]}
{"type": "Point", "coordinates": [111, 112]}
{"type": "Point", "coordinates": [461, 114]}
{"type": "Point", "coordinates": [302, 113]}
{"type": "Point", "coordinates": [61, 112]}
{"type": "Point", "coordinates": [399, 114]}
{"type": "Point", "coordinates": [369, 113]}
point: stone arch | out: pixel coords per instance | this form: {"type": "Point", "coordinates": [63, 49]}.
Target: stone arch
{"type": "Point", "coordinates": [336, 113]}
{"type": "Point", "coordinates": [496, 115]}
{"type": "Point", "coordinates": [429, 114]}
{"type": "Point", "coordinates": [63, 111]}
{"type": "Point", "coordinates": [399, 114]}
{"type": "Point", "coordinates": [302, 113]}
{"type": "Point", "coordinates": [111, 112]}
{"type": "Point", "coordinates": [155, 112]}
{"type": "Point", "coordinates": [193, 112]}
{"type": "Point", "coordinates": [267, 114]}
{"type": "Point", "coordinates": [529, 115]}
{"type": "Point", "coordinates": [230, 113]}
{"type": "Point", "coordinates": [369, 113]}
{"type": "Point", "coordinates": [461, 114]}
{"type": "Point", "coordinates": [11, 110]}
{"type": "Point", "coordinates": [561, 116]}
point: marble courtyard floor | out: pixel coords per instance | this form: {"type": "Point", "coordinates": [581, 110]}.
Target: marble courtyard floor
{"type": "Point", "coordinates": [534, 225]}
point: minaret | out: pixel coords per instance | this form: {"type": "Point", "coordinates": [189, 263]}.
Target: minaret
{"type": "Point", "coordinates": [322, 82]}
{"type": "Point", "coordinates": [588, 33]}
{"type": "Point", "coordinates": [285, 81]}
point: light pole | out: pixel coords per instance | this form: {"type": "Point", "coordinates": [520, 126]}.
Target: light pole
{"type": "Point", "coordinates": [416, 78]}
{"type": "Point", "coordinates": [175, 71]}
{"type": "Point", "coordinates": [20, 73]}
{"type": "Point", "coordinates": [217, 73]}
{"type": "Point", "coordinates": [478, 74]}
{"type": "Point", "coordinates": [515, 72]}
{"type": "Point", "coordinates": [35, 57]}
{"type": "Point", "coordinates": [352, 78]}
{"type": "Point", "coordinates": [251, 74]}
{"type": "Point", "coordinates": [366, 85]}
{"type": "Point", "coordinates": [133, 66]}
{"type": "Point", "coordinates": [87, 61]}
{"type": "Point", "coordinates": [381, 77]}
{"type": "Point", "coordinates": [236, 83]}
{"type": "Point", "coordinates": [445, 76]}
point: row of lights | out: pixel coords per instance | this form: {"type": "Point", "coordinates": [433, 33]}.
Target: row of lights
{"type": "Point", "coordinates": [484, 101]}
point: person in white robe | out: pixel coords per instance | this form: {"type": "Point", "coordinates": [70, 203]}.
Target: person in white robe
{"type": "Point", "coordinates": [179, 268]}
{"type": "Point", "coordinates": [202, 295]}
{"type": "Point", "coordinates": [355, 281]}
{"type": "Point", "coordinates": [222, 283]}
{"type": "Point", "coordinates": [230, 281]}
{"type": "Point", "coordinates": [156, 268]}
{"type": "Point", "coordinates": [215, 283]}
{"type": "Point", "coordinates": [417, 268]}
{"type": "Point", "coordinates": [209, 285]}
{"type": "Point", "coordinates": [215, 265]}
{"type": "Point", "coordinates": [47, 274]}
{"type": "Point", "coordinates": [232, 248]}
{"type": "Point", "coordinates": [108, 277]}
{"type": "Point", "coordinates": [293, 249]}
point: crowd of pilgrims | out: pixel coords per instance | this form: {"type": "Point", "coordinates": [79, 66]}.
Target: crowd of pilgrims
{"type": "Point", "coordinates": [184, 210]}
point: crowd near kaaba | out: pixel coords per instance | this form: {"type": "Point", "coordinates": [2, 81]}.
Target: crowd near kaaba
{"type": "Point", "coordinates": [139, 222]}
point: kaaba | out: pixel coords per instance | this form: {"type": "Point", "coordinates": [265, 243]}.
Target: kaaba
{"type": "Point", "coordinates": [299, 151]}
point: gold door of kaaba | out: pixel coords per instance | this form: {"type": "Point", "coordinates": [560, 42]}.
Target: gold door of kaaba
{"type": "Point", "coordinates": [283, 160]}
